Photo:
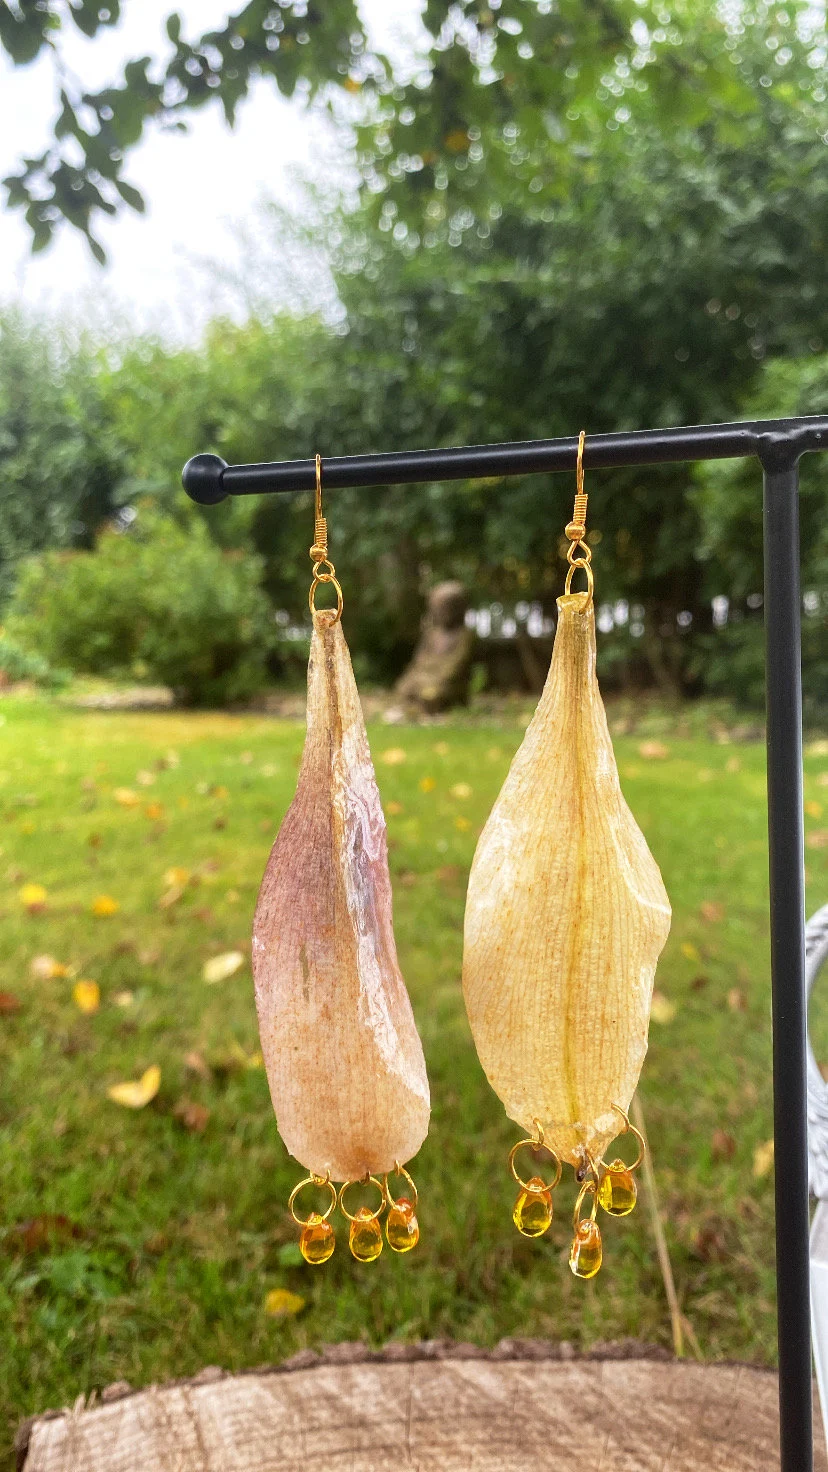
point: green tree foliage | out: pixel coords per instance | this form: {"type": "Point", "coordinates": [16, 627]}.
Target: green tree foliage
{"type": "Point", "coordinates": [298, 44]}
{"type": "Point", "coordinates": [161, 602]}
{"type": "Point", "coordinates": [59, 460]}
{"type": "Point", "coordinates": [731, 523]}
{"type": "Point", "coordinates": [504, 93]}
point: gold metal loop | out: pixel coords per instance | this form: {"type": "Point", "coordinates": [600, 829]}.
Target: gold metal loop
{"type": "Point", "coordinates": [366, 1180]}
{"type": "Point", "coordinates": [534, 1143]}
{"type": "Point", "coordinates": [312, 1180]}
{"type": "Point", "coordinates": [588, 1189]}
{"type": "Point", "coordinates": [581, 562]}
{"type": "Point", "coordinates": [576, 551]}
{"type": "Point", "coordinates": [399, 1170]}
{"type": "Point", "coordinates": [326, 577]}
{"type": "Point", "coordinates": [629, 1129]}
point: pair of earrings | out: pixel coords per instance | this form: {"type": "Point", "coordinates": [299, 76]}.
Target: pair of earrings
{"type": "Point", "coordinates": [566, 916]}
{"type": "Point", "coordinates": [317, 1238]}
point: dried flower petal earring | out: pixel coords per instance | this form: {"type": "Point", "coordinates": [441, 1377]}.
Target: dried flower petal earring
{"type": "Point", "coordinates": [565, 920]}
{"type": "Point", "coordinates": [343, 1056]}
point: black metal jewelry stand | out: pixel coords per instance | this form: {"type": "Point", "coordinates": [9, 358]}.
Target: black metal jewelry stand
{"type": "Point", "coordinates": [778, 444]}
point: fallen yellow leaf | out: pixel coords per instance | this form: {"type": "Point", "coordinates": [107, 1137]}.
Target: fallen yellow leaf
{"type": "Point", "coordinates": [763, 1159]}
{"type": "Point", "coordinates": [247, 1060]}
{"type": "Point", "coordinates": [663, 1010]}
{"type": "Point", "coordinates": [33, 896]}
{"type": "Point", "coordinates": [220, 792]}
{"type": "Point", "coordinates": [653, 750]}
{"type": "Point", "coordinates": [711, 911]}
{"type": "Point", "coordinates": [427, 784]}
{"type": "Point", "coordinates": [442, 748]}
{"type": "Point", "coordinates": [218, 968]}
{"type": "Point", "coordinates": [123, 999]}
{"type": "Point", "coordinates": [145, 779]}
{"type": "Point", "coordinates": [393, 809]}
{"type": "Point", "coordinates": [462, 825]}
{"type": "Point", "coordinates": [813, 809]}
{"type": "Point", "coordinates": [176, 876]}
{"type": "Point", "coordinates": [280, 1303]}
{"type": "Point", "coordinates": [461, 790]}
{"type": "Point", "coordinates": [46, 968]}
{"type": "Point", "coordinates": [126, 797]}
{"type": "Point", "coordinates": [86, 995]}
{"type": "Point", "coordinates": [154, 810]}
{"type": "Point", "coordinates": [394, 756]}
{"type": "Point", "coordinates": [171, 896]}
{"type": "Point", "coordinates": [137, 1092]}
{"type": "Point", "coordinates": [104, 904]}
{"type": "Point", "coordinates": [690, 951]}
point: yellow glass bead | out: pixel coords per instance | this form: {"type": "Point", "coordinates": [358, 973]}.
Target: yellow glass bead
{"type": "Point", "coordinates": [401, 1226]}
{"type": "Point", "coordinates": [317, 1240]}
{"type": "Point", "coordinates": [617, 1193]}
{"type": "Point", "coordinates": [365, 1239]}
{"type": "Point", "coordinates": [586, 1253]}
{"type": "Point", "coordinates": [533, 1209]}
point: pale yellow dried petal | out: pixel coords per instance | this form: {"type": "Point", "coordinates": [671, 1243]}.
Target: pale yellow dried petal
{"type": "Point", "coordinates": [565, 918]}
{"type": "Point", "coordinates": [343, 1057]}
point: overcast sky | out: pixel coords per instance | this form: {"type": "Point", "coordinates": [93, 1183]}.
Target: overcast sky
{"type": "Point", "coordinates": [199, 188]}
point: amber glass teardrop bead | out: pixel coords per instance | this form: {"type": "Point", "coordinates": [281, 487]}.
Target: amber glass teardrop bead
{"type": "Point", "coordinates": [401, 1226]}
{"type": "Point", "coordinates": [317, 1240]}
{"type": "Point", "coordinates": [586, 1252]}
{"type": "Point", "coordinates": [618, 1193]}
{"type": "Point", "coordinates": [365, 1238]}
{"type": "Point", "coordinates": [533, 1209]}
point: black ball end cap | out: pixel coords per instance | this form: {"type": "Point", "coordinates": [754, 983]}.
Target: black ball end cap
{"type": "Point", "coordinates": [202, 479]}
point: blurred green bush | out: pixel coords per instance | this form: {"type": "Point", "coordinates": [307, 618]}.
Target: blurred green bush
{"type": "Point", "coordinates": [18, 664]}
{"type": "Point", "coordinates": [156, 600]}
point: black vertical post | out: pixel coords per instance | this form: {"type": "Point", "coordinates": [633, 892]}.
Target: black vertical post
{"type": "Point", "coordinates": [787, 919]}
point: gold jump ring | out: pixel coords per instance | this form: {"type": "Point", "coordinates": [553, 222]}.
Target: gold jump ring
{"type": "Point", "coordinates": [534, 1144]}
{"type": "Point", "coordinates": [581, 562]}
{"type": "Point", "coordinates": [366, 1180]}
{"type": "Point", "coordinates": [312, 1180]}
{"type": "Point", "coordinates": [629, 1129]}
{"type": "Point", "coordinates": [587, 1189]}
{"type": "Point", "coordinates": [326, 577]}
{"type": "Point", "coordinates": [400, 1170]}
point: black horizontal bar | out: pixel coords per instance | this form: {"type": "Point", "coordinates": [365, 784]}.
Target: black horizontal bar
{"type": "Point", "coordinates": [777, 442]}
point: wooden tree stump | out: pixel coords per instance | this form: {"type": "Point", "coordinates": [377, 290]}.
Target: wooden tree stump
{"type": "Point", "coordinates": [434, 1407]}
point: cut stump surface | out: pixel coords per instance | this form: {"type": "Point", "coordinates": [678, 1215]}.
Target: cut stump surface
{"type": "Point", "coordinates": [430, 1408]}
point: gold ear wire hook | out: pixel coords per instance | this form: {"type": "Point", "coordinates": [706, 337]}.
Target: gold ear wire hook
{"type": "Point", "coordinates": [579, 554]}
{"type": "Point", "coordinates": [319, 550]}
{"type": "Point", "coordinates": [319, 555]}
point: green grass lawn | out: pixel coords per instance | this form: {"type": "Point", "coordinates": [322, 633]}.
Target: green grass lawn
{"type": "Point", "coordinates": [136, 1247]}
